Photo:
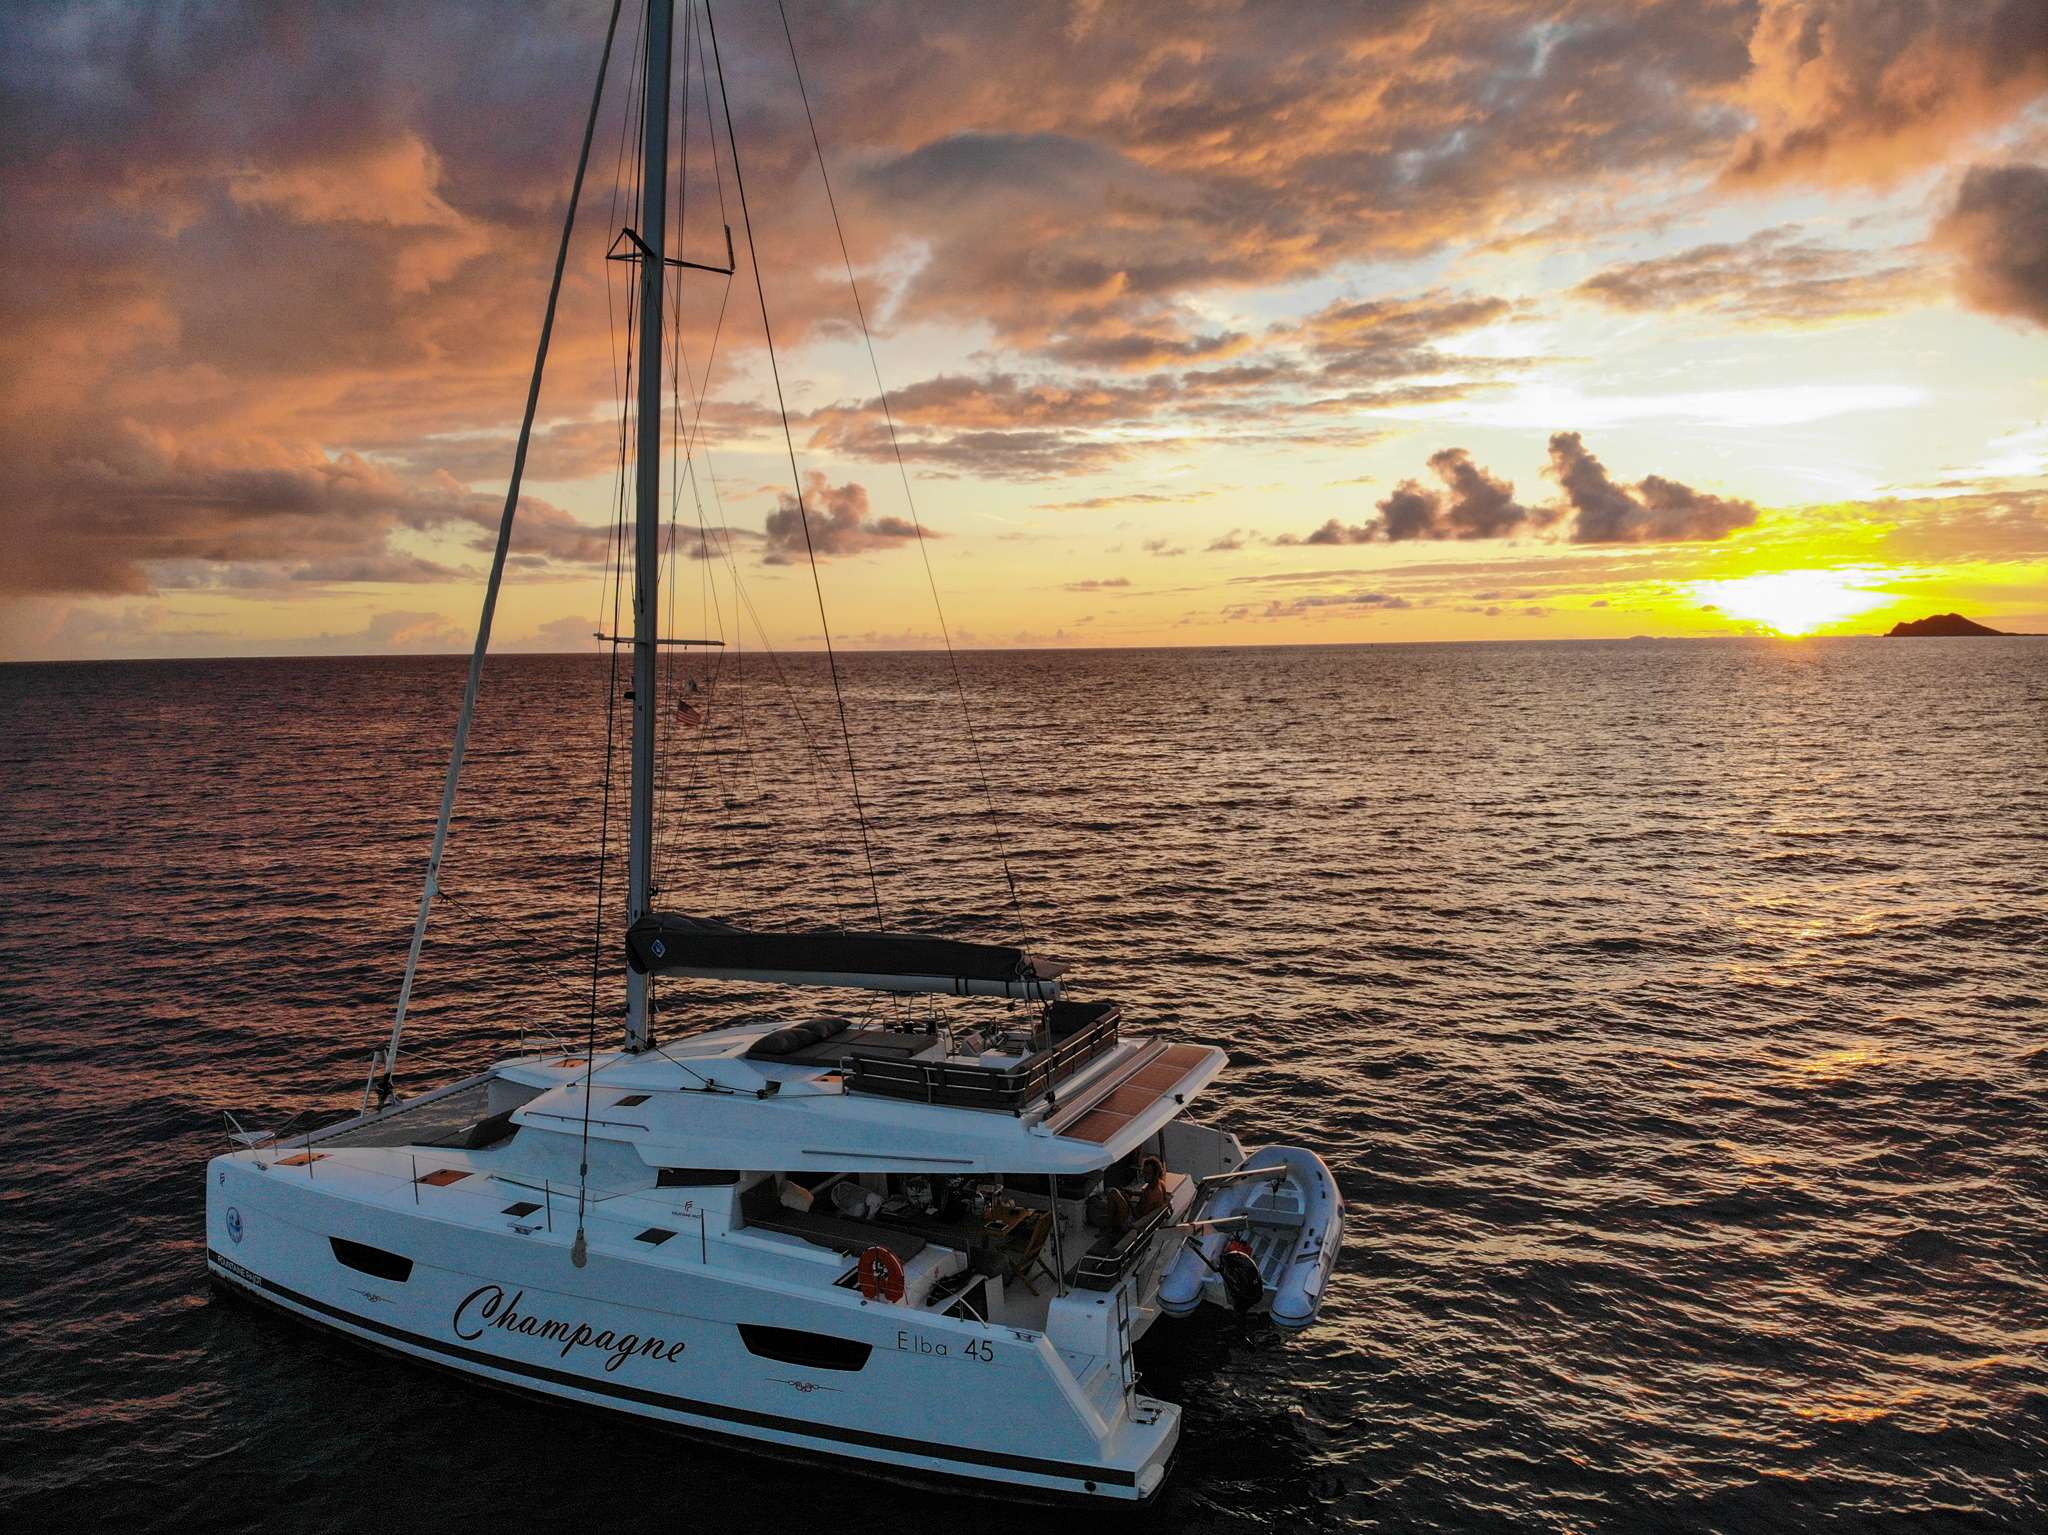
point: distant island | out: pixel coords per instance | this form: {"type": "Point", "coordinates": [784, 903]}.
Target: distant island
{"type": "Point", "coordinates": [1940, 626]}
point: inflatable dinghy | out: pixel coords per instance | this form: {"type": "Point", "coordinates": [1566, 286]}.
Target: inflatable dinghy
{"type": "Point", "coordinates": [1265, 1237]}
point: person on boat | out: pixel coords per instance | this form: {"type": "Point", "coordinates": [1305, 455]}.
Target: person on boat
{"type": "Point", "coordinates": [1154, 1195]}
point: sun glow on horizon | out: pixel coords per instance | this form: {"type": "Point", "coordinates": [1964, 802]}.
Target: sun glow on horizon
{"type": "Point", "coordinates": [1794, 602]}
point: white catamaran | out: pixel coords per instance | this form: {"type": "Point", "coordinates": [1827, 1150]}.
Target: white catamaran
{"type": "Point", "coordinates": [924, 1252]}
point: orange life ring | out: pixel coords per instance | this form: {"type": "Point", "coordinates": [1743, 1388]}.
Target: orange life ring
{"type": "Point", "coordinates": [881, 1275]}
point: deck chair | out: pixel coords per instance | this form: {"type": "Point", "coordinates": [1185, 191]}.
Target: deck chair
{"type": "Point", "coordinates": [1032, 1259]}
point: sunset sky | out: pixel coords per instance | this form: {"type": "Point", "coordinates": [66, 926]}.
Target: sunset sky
{"type": "Point", "coordinates": [1201, 323]}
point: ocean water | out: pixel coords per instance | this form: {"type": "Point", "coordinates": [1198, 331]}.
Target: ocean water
{"type": "Point", "coordinates": [1675, 1015]}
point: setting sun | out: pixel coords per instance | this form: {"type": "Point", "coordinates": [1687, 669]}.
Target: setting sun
{"type": "Point", "coordinates": [1793, 602]}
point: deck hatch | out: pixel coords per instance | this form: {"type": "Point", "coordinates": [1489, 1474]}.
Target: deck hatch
{"type": "Point", "coordinates": [441, 1177]}
{"type": "Point", "coordinates": [374, 1261]}
{"type": "Point", "coordinates": [654, 1236]}
{"type": "Point", "coordinates": [811, 1350]}
{"type": "Point", "coordinates": [629, 1100]}
{"type": "Point", "coordinates": [523, 1207]}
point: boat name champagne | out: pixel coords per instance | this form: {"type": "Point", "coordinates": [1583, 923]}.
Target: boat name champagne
{"type": "Point", "coordinates": [493, 1310]}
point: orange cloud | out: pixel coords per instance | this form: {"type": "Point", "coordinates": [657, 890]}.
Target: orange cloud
{"type": "Point", "coordinates": [1869, 90]}
{"type": "Point", "coordinates": [269, 282]}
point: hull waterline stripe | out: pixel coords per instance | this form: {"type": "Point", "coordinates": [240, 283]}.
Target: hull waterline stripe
{"type": "Point", "coordinates": [233, 1273]}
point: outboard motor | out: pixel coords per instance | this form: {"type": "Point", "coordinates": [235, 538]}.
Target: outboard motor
{"type": "Point", "coordinates": [1263, 1239]}
{"type": "Point", "coordinates": [1242, 1282]}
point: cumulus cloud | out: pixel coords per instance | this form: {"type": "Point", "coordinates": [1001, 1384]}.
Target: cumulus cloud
{"type": "Point", "coordinates": [1655, 510]}
{"type": "Point", "coordinates": [1868, 90]}
{"type": "Point", "coordinates": [1335, 531]}
{"type": "Point", "coordinates": [1475, 504]}
{"type": "Point", "coordinates": [840, 523]}
{"type": "Point", "coordinates": [1998, 230]}
{"type": "Point", "coordinates": [1472, 504]}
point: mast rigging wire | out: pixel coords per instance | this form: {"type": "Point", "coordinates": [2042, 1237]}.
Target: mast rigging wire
{"type": "Point", "coordinates": [503, 546]}
{"type": "Point", "coordinates": [889, 416]}
{"type": "Point", "coordinates": [796, 475]}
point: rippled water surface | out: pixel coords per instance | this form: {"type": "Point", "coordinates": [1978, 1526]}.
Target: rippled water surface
{"type": "Point", "coordinates": [1673, 1014]}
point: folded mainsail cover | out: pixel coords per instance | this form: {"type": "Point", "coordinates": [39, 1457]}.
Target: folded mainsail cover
{"type": "Point", "coordinates": [678, 945]}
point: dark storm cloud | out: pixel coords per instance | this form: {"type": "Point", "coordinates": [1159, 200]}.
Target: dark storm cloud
{"type": "Point", "coordinates": [1998, 229]}
{"type": "Point", "coordinates": [1654, 511]}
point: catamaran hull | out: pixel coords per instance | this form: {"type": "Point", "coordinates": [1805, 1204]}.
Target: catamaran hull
{"type": "Point", "coordinates": [514, 1312]}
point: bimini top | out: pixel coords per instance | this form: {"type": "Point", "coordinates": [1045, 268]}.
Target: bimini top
{"type": "Point", "coordinates": [664, 942]}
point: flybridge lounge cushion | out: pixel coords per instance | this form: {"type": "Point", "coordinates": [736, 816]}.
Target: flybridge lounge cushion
{"type": "Point", "coordinates": [667, 942]}
{"type": "Point", "coordinates": [798, 1036]}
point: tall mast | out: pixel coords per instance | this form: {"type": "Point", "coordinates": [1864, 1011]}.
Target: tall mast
{"type": "Point", "coordinates": [647, 503]}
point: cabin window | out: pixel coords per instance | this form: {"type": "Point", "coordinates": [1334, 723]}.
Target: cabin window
{"type": "Point", "coordinates": [654, 1236]}
{"type": "Point", "coordinates": [694, 1177]}
{"type": "Point", "coordinates": [374, 1261]}
{"type": "Point", "coordinates": [811, 1350]}
{"type": "Point", "coordinates": [524, 1207]}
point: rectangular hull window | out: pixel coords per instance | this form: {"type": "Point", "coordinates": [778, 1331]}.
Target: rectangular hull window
{"type": "Point", "coordinates": [694, 1177]}
{"type": "Point", "coordinates": [374, 1261]}
{"type": "Point", "coordinates": [812, 1350]}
